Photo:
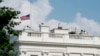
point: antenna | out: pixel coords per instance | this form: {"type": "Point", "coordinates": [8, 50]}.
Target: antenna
{"type": "Point", "coordinates": [59, 27]}
{"type": "Point", "coordinates": [75, 29]}
{"type": "Point", "coordinates": [58, 24]}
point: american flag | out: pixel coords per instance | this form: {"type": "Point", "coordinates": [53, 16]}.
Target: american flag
{"type": "Point", "coordinates": [26, 17]}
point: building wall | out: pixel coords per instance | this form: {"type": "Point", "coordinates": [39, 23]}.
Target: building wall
{"type": "Point", "coordinates": [58, 43]}
{"type": "Point", "coordinates": [56, 50]}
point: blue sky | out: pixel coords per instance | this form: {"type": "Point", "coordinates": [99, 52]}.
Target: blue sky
{"type": "Point", "coordinates": [66, 10]}
{"type": "Point", "coordinates": [80, 14]}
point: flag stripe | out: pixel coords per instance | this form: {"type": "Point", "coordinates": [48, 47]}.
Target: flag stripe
{"type": "Point", "coordinates": [26, 17]}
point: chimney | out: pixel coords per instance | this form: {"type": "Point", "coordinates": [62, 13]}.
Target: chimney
{"type": "Point", "coordinates": [59, 27]}
{"type": "Point", "coordinates": [44, 28]}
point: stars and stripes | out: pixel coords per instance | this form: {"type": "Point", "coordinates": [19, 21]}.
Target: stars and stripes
{"type": "Point", "coordinates": [26, 17]}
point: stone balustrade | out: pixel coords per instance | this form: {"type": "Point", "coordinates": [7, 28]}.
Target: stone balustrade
{"type": "Point", "coordinates": [61, 38]}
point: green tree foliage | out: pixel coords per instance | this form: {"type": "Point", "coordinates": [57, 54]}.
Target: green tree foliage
{"type": "Point", "coordinates": [0, 0]}
{"type": "Point", "coordinates": [6, 30]}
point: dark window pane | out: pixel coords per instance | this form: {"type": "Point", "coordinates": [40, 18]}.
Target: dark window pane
{"type": "Point", "coordinates": [34, 55]}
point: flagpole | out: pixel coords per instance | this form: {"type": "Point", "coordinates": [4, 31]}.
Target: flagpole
{"type": "Point", "coordinates": [30, 15]}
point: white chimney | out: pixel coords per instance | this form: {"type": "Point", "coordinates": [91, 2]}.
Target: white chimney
{"type": "Point", "coordinates": [44, 28]}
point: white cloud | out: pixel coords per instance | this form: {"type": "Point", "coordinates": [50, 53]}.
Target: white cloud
{"type": "Point", "coordinates": [79, 22]}
{"type": "Point", "coordinates": [53, 23]}
{"type": "Point", "coordinates": [89, 25]}
{"type": "Point", "coordinates": [38, 10]}
{"type": "Point", "coordinates": [11, 3]}
{"type": "Point", "coordinates": [41, 9]}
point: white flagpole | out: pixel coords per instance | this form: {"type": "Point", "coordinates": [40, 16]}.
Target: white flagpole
{"type": "Point", "coordinates": [30, 15]}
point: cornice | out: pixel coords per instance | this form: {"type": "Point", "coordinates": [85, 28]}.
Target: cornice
{"type": "Point", "coordinates": [57, 44]}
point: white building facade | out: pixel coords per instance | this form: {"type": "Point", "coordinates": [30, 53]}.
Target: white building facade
{"type": "Point", "coordinates": [56, 42]}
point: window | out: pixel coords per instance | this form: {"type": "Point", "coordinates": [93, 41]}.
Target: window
{"type": "Point", "coordinates": [34, 55]}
